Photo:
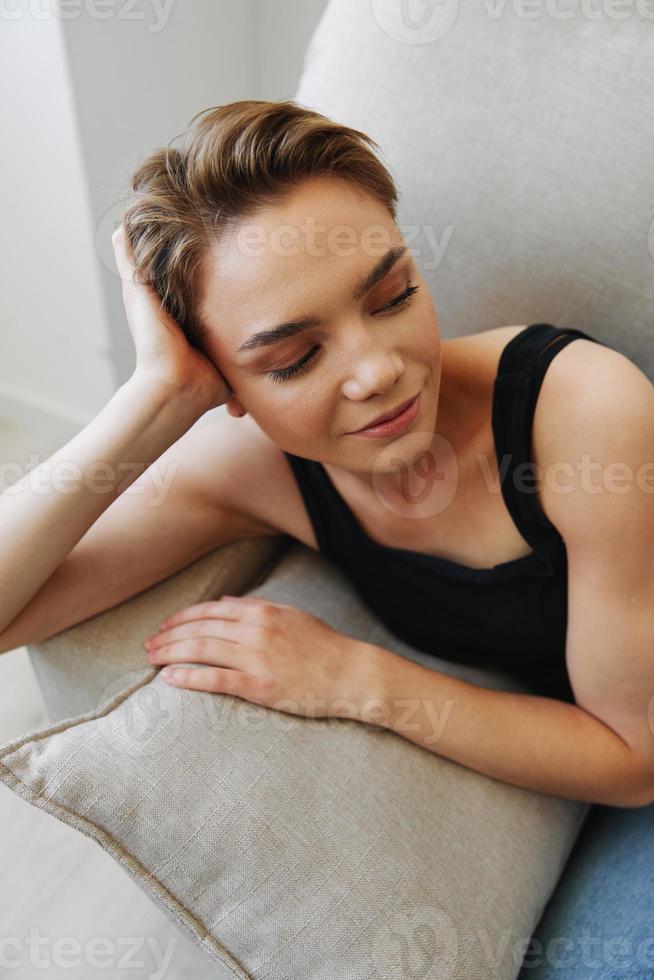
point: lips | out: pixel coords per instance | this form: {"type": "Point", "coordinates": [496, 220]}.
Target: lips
{"type": "Point", "coordinates": [387, 415]}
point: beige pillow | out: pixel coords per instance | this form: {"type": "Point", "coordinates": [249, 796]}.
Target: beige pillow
{"type": "Point", "coordinates": [291, 847]}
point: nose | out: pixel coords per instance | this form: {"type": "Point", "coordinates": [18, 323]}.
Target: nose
{"type": "Point", "coordinates": [373, 371]}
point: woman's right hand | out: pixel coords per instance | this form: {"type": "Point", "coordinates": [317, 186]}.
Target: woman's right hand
{"type": "Point", "coordinates": [162, 350]}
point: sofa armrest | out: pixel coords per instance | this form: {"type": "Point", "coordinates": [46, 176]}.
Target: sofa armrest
{"type": "Point", "coordinates": [83, 665]}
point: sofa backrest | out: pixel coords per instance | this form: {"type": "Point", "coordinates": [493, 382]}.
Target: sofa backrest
{"type": "Point", "coordinates": [520, 141]}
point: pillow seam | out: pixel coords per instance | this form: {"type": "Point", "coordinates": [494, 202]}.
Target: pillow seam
{"type": "Point", "coordinates": [102, 837]}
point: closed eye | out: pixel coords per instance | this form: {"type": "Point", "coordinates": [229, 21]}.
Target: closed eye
{"type": "Point", "coordinates": [301, 366]}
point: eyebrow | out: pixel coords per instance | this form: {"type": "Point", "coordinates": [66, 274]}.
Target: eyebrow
{"type": "Point", "coordinates": [289, 329]}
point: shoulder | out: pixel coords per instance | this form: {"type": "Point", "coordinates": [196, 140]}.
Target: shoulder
{"type": "Point", "coordinates": [593, 421]}
{"type": "Point", "coordinates": [502, 335]}
{"type": "Point", "coordinates": [487, 344]}
{"type": "Point", "coordinates": [474, 358]}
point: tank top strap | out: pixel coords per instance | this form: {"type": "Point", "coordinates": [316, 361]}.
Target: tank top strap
{"type": "Point", "coordinates": [520, 374]}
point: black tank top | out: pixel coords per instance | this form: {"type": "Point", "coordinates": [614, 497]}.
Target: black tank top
{"type": "Point", "coordinates": [512, 616]}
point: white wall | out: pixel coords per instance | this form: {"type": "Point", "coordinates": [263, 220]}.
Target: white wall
{"type": "Point", "coordinates": [54, 340]}
{"type": "Point", "coordinates": [137, 83]}
{"type": "Point", "coordinates": [89, 97]}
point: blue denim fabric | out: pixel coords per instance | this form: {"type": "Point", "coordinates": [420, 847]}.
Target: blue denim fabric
{"type": "Point", "coordinates": [599, 923]}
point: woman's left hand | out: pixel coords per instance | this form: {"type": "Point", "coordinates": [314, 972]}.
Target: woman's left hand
{"type": "Point", "coordinates": [266, 652]}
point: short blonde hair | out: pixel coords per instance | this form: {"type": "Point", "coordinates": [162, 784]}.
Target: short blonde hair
{"type": "Point", "coordinates": [234, 159]}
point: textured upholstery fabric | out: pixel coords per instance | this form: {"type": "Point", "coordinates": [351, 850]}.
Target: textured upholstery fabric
{"type": "Point", "coordinates": [520, 148]}
{"type": "Point", "coordinates": [80, 667]}
{"type": "Point", "coordinates": [294, 847]}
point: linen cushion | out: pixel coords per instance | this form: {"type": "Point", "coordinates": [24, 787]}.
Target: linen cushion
{"type": "Point", "coordinates": [294, 847]}
{"type": "Point", "coordinates": [104, 654]}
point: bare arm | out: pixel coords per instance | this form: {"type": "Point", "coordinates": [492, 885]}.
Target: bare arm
{"type": "Point", "coordinates": [45, 514]}
{"type": "Point", "coordinates": [535, 742]}
{"type": "Point", "coordinates": [181, 508]}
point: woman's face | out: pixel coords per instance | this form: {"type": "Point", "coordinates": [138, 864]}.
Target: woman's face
{"type": "Point", "coordinates": [363, 352]}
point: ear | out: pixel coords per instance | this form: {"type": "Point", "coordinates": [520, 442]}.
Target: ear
{"type": "Point", "coordinates": [234, 408]}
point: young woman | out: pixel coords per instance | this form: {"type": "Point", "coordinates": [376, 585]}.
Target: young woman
{"type": "Point", "coordinates": [263, 268]}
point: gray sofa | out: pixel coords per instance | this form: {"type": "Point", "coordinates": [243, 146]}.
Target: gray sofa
{"type": "Point", "coordinates": [519, 150]}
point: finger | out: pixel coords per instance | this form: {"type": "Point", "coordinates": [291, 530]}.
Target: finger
{"type": "Point", "coordinates": [230, 604]}
{"type": "Point", "coordinates": [217, 680]}
{"type": "Point", "coordinates": [221, 629]}
{"type": "Point", "coordinates": [203, 650]}
{"type": "Point", "coordinates": [123, 254]}
{"type": "Point", "coordinates": [227, 607]}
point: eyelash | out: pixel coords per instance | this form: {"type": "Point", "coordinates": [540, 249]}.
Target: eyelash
{"type": "Point", "coordinates": [301, 366]}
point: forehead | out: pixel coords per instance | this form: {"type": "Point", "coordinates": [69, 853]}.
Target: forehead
{"type": "Point", "coordinates": [292, 258]}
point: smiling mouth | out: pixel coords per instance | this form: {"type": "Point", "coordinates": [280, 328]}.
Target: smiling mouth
{"type": "Point", "coordinates": [386, 418]}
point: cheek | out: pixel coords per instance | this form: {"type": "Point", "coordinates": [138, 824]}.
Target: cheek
{"type": "Point", "coordinates": [428, 343]}
{"type": "Point", "coordinates": [307, 416]}
{"type": "Point", "coordinates": [295, 417]}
